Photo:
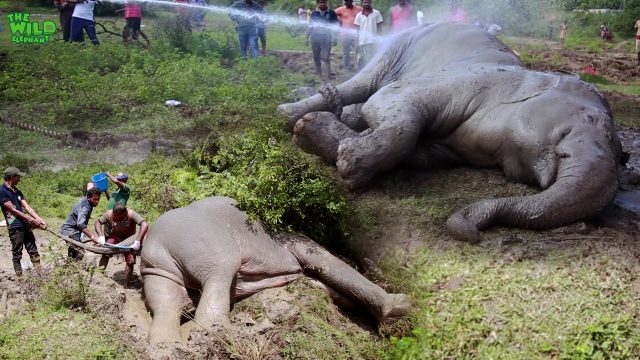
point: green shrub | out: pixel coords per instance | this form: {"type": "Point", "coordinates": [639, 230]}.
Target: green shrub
{"type": "Point", "coordinates": [67, 288]}
{"type": "Point", "coordinates": [22, 162]}
{"type": "Point", "coordinates": [607, 339]}
{"type": "Point", "coordinates": [271, 180]}
{"type": "Point", "coordinates": [594, 79]}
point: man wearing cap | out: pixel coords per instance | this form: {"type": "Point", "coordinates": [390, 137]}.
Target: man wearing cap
{"type": "Point", "coordinates": [20, 219]}
{"type": "Point", "coordinates": [120, 196]}
{"type": "Point", "coordinates": [119, 224]}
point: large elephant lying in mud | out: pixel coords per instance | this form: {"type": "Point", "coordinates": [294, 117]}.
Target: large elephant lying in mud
{"type": "Point", "coordinates": [450, 94]}
{"type": "Point", "coordinates": [209, 246]}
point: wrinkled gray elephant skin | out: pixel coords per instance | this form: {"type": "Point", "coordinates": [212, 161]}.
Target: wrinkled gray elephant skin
{"type": "Point", "coordinates": [211, 247]}
{"type": "Point", "coordinates": [450, 94]}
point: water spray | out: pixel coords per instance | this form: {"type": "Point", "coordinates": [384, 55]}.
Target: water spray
{"type": "Point", "coordinates": [273, 19]}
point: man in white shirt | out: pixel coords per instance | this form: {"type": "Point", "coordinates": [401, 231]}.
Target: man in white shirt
{"type": "Point", "coordinates": [369, 22]}
{"type": "Point", "coordinates": [82, 20]}
{"type": "Point", "coordinates": [420, 17]}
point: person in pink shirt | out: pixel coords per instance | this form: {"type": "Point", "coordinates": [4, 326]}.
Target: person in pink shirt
{"type": "Point", "coordinates": [133, 17]}
{"type": "Point", "coordinates": [346, 16]}
{"type": "Point", "coordinates": [402, 16]}
{"type": "Point", "coordinates": [457, 13]}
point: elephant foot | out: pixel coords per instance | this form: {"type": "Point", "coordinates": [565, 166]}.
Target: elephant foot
{"type": "Point", "coordinates": [292, 112]}
{"type": "Point", "coordinates": [164, 337]}
{"type": "Point", "coordinates": [351, 165]}
{"type": "Point", "coordinates": [320, 133]}
{"type": "Point", "coordinates": [396, 306]}
{"type": "Point", "coordinates": [463, 229]}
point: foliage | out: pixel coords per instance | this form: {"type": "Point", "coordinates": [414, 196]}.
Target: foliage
{"type": "Point", "coordinates": [624, 22]}
{"type": "Point", "coordinates": [21, 162]}
{"type": "Point", "coordinates": [607, 339]}
{"type": "Point", "coordinates": [67, 288]}
{"type": "Point", "coordinates": [222, 43]}
{"type": "Point", "coordinates": [594, 78]}
{"type": "Point", "coordinates": [271, 180]}
{"type": "Point", "coordinates": [46, 333]}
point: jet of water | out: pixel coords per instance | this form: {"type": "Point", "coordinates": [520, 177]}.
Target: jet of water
{"type": "Point", "coordinates": [270, 18]}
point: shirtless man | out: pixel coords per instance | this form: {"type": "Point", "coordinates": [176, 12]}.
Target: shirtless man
{"type": "Point", "coordinates": [119, 224]}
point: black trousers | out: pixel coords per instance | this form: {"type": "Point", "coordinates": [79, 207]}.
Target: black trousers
{"type": "Point", "coordinates": [321, 49]}
{"type": "Point", "coordinates": [132, 29]}
{"type": "Point", "coordinates": [23, 238]}
{"type": "Point", "coordinates": [65, 20]}
{"type": "Point", "coordinates": [73, 251]}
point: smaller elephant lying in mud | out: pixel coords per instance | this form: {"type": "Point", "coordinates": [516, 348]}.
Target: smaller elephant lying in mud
{"type": "Point", "coordinates": [209, 246]}
{"type": "Point", "coordinates": [450, 94]}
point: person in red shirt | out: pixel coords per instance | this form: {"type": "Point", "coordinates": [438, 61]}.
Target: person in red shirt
{"type": "Point", "coordinates": [133, 18]}
{"type": "Point", "coordinates": [402, 16]}
{"type": "Point", "coordinates": [348, 31]}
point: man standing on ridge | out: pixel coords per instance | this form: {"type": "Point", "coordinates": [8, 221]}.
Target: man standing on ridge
{"type": "Point", "coordinates": [245, 13]}
{"type": "Point", "coordinates": [402, 16]}
{"type": "Point", "coordinates": [83, 20]}
{"type": "Point", "coordinates": [346, 15]}
{"type": "Point", "coordinates": [321, 35]}
{"type": "Point", "coordinates": [20, 219]}
{"type": "Point", "coordinates": [369, 22]}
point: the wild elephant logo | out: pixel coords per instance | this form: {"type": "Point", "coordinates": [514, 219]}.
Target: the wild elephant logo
{"type": "Point", "coordinates": [24, 31]}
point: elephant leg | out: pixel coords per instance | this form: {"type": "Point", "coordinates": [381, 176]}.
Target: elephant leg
{"type": "Point", "coordinates": [337, 297]}
{"type": "Point", "coordinates": [320, 133]}
{"type": "Point", "coordinates": [165, 299]}
{"type": "Point", "coordinates": [356, 90]}
{"type": "Point", "coordinates": [244, 289]}
{"type": "Point", "coordinates": [215, 301]}
{"type": "Point", "coordinates": [336, 274]}
{"type": "Point", "coordinates": [396, 128]}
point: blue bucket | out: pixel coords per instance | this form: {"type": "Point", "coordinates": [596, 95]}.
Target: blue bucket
{"type": "Point", "coordinates": [100, 180]}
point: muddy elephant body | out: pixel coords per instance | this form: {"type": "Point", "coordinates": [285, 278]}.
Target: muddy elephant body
{"type": "Point", "coordinates": [211, 247]}
{"type": "Point", "coordinates": [450, 94]}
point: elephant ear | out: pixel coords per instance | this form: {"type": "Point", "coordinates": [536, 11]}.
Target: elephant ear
{"type": "Point", "coordinates": [522, 89]}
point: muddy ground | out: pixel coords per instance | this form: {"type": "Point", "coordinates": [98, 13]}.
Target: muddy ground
{"type": "Point", "coordinates": [262, 322]}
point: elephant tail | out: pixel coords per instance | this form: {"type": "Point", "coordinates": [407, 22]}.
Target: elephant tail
{"type": "Point", "coordinates": [585, 183]}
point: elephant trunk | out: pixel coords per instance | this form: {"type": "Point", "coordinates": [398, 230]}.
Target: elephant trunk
{"type": "Point", "coordinates": [586, 182]}
{"type": "Point", "coordinates": [92, 248]}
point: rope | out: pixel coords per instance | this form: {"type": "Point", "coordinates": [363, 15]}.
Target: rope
{"type": "Point", "coordinates": [332, 98]}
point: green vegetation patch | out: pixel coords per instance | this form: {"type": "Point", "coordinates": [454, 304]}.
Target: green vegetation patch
{"type": "Point", "coordinates": [482, 305]}
{"type": "Point", "coordinates": [47, 333]}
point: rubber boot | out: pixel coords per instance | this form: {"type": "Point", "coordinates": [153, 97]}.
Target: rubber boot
{"type": "Point", "coordinates": [18, 268]}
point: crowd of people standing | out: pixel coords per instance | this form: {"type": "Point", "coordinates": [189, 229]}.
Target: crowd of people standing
{"type": "Point", "coordinates": [359, 28]}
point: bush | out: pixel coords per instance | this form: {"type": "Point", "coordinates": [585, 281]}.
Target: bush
{"type": "Point", "coordinates": [623, 23]}
{"type": "Point", "coordinates": [271, 180]}
{"type": "Point", "coordinates": [68, 287]}
{"type": "Point", "coordinates": [21, 162]}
